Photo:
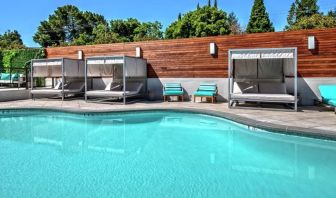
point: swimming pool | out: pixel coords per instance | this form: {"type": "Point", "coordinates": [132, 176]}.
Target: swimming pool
{"type": "Point", "coordinates": [156, 154]}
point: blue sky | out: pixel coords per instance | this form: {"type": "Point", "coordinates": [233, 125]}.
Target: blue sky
{"type": "Point", "coordinates": [25, 16]}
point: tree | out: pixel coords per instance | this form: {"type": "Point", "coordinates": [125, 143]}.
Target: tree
{"type": "Point", "coordinates": [301, 9]}
{"type": "Point", "coordinates": [66, 26]}
{"type": "Point", "coordinates": [291, 18]}
{"type": "Point", "coordinates": [259, 19]}
{"type": "Point", "coordinates": [148, 31]}
{"type": "Point", "coordinates": [209, 3]}
{"type": "Point", "coordinates": [315, 21]}
{"type": "Point", "coordinates": [125, 28]}
{"type": "Point", "coordinates": [179, 17]}
{"type": "Point", "coordinates": [234, 25]}
{"type": "Point", "coordinates": [306, 8]}
{"type": "Point", "coordinates": [216, 4]}
{"type": "Point", "coordinates": [206, 21]}
{"type": "Point", "coordinates": [198, 6]}
{"type": "Point", "coordinates": [103, 35]}
{"type": "Point", "coordinates": [332, 13]}
{"type": "Point", "coordinates": [11, 40]}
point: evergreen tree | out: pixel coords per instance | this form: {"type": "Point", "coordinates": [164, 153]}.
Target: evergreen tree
{"type": "Point", "coordinates": [209, 3]}
{"type": "Point", "coordinates": [234, 25]}
{"type": "Point", "coordinates": [332, 13]}
{"type": "Point", "coordinates": [306, 8]}
{"type": "Point", "coordinates": [198, 6]}
{"type": "Point", "coordinates": [315, 21]}
{"type": "Point", "coordinates": [291, 18]}
{"type": "Point", "coordinates": [11, 40]}
{"type": "Point", "coordinates": [301, 9]}
{"type": "Point", "coordinates": [179, 17]}
{"type": "Point", "coordinates": [66, 25]}
{"type": "Point", "coordinates": [215, 4]}
{"type": "Point", "coordinates": [259, 19]}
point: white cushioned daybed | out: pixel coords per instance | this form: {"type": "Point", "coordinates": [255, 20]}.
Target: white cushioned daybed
{"type": "Point", "coordinates": [260, 75]}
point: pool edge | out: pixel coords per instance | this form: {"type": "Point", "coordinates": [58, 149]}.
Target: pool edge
{"type": "Point", "coordinates": [277, 128]}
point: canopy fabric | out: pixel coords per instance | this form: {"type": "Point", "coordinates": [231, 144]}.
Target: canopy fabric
{"type": "Point", "coordinates": [102, 61]}
{"type": "Point", "coordinates": [110, 66]}
{"type": "Point", "coordinates": [262, 54]}
{"type": "Point", "coordinates": [103, 66]}
{"type": "Point", "coordinates": [270, 69]}
{"type": "Point", "coordinates": [245, 55]}
{"type": "Point", "coordinates": [74, 68]}
{"type": "Point", "coordinates": [50, 68]}
{"type": "Point", "coordinates": [135, 67]}
{"type": "Point", "coordinates": [246, 69]}
{"type": "Point", "coordinates": [102, 70]}
{"type": "Point", "coordinates": [47, 63]}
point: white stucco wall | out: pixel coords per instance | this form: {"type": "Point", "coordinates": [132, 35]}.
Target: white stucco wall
{"type": "Point", "coordinates": [307, 87]}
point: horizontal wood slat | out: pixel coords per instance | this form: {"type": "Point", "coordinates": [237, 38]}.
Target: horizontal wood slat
{"type": "Point", "coordinates": [191, 57]}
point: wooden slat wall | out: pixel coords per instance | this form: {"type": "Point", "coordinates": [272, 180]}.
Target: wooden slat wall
{"type": "Point", "coordinates": [191, 57]}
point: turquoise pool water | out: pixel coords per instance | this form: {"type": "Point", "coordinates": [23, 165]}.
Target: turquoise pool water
{"type": "Point", "coordinates": [156, 154]}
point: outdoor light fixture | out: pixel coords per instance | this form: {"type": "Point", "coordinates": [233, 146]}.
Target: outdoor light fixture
{"type": "Point", "coordinates": [80, 55]}
{"type": "Point", "coordinates": [311, 42]}
{"type": "Point", "coordinates": [213, 49]}
{"type": "Point", "coordinates": [138, 52]}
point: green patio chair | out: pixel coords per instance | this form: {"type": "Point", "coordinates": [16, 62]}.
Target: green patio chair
{"type": "Point", "coordinates": [328, 94]}
{"type": "Point", "coordinates": [173, 89]}
{"type": "Point", "coordinates": [207, 90]}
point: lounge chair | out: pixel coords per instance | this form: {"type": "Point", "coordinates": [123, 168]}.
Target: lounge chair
{"type": "Point", "coordinates": [6, 78]}
{"type": "Point", "coordinates": [172, 89]}
{"type": "Point", "coordinates": [206, 90]}
{"type": "Point", "coordinates": [132, 89]}
{"type": "Point", "coordinates": [75, 87]}
{"type": "Point", "coordinates": [328, 94]}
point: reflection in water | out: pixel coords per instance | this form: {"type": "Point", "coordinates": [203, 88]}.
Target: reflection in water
{"type": "Point", "coordinates": [190, 153]}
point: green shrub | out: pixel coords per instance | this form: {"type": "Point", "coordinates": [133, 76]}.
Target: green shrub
{"type": "Point", "coordinates": [19, 58]}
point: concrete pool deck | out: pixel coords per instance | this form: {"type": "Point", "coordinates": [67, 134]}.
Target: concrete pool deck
{"type": "Point", "coordinates": [309, 121]}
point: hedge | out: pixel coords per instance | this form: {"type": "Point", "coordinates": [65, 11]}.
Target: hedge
{"type": "Point", "coordinates": [18, 58]}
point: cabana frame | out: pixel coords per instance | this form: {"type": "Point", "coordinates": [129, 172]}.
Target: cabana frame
{"type": "Point", "coordinates": [259, 54]}
{"type": "Point", "coordinates": [123, 61]}
{"type": "Point", "coordinates": [79, 73]}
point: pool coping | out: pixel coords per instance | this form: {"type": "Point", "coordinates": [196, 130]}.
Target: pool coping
{"type": "Point", "coordinates": [277, 128]}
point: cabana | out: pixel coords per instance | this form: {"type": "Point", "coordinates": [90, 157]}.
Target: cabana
{"type": "Point", "coordinates": [263, 75]}
{"type": "Point", "coordinates": [122, 76]}
{"type": "Point", "coordinates": [67, 77]}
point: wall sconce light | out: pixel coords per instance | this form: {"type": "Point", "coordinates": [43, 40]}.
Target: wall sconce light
{"type": "Point", "coordinates": [138, 52]}
{"type": "Point", "coordinates": [213, 48]}
{"type": "Point", "coordinates": [80, 54]}
{"type": "Point", "coordinates": [311, 42]}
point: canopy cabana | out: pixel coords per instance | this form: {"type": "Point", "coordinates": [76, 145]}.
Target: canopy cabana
{"type": "Point", "coordinates": [263, 75]}
{"type": "Point", "coordinates": [127, 77]}
{"type": "Point", "coordinates": [68, 73]}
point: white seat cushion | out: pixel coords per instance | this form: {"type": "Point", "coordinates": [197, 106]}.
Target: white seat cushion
{"type": "Point", "coordinates": [244, 87]}
{"type": "Point", "coordinates": [263, 97]}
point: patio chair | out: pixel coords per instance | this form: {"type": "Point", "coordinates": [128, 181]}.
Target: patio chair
{"type": "Point", "coordinates": [328, 94]}
{"type": "Point", "coordinates": [172, 89]}
{"type": "Point", "coordinates": [207, 90]}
